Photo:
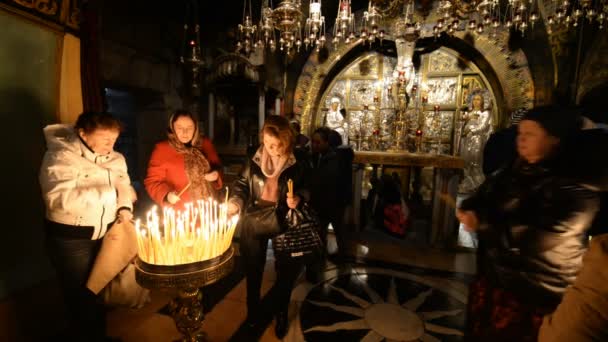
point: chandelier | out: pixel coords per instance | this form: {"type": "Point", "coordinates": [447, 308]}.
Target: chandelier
{"type": "Point", "coordinates": [476, 16]}
{"type": "Point", "coordinates": [315, 26]}
{"type": "Point", "coordinates": [190, 55]}
{"type": "Point", "coordinates": [287, 18]}
{"type": "Point", "coordinates": [490, 16]}
{"type": "Point", "coordinates": [344, 28]}
{"type": "Point", "coordinates": [246, 31]}
{"type": "Point", "coordinates": [266, 36]}
{"type": "Point", "coordinates": [370, 26]}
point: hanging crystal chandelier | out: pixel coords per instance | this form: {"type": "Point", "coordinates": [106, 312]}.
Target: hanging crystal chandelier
{"type": "Point", "coordinates": [266, 36]}
{"type": "Point", "coordinates": [287, 18]}
{"type": "Point", "coordinates": [370, 27]}
{"type": "Point", "coordinates": [246, 31]}
{"type": "Point", "coordinates": [344, 29]}
{"type": "Point", "coordinates": [315, 26]}
{"type": "Point", "coordinates": [190, 55]}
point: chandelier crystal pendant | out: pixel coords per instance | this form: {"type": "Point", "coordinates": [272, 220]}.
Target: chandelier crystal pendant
{"type": "Point", "coordinates": [287, 18]}
{"type": "Point", "coordinates": [370, 27]}
{"type": "Point", "coordinates": [344, 29]}
{"type": "Point", "coordinates": [266, 35]}
{"type": "Point", "coordinates": [246, 31]}
{"type": "Point", "coordinates": [314, 31]}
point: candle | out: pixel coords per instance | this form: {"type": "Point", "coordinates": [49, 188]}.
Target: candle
{"type": "Point", "coordinates": [200, 231]}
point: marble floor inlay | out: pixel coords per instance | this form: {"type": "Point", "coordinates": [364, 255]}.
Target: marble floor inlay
{"type": "Point", "coordinates": [390, 292]}
{"type": "Point", "coordinates": [367, 304]}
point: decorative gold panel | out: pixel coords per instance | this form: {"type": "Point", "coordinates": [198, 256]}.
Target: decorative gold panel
{"type": "Point", "coordinates": [366, 67]}
{"type": "Point", "coordinates": [339, 91]}
{"type": "Point", "coordinates": [443, 62]}
{"type": "Point", "coordinates": [388, 65]}
{"type": "Point", "coordinates": [63, 12]}
{"type": "Point", "coordinates": [512, 73]}
{"type": "Point", "coordinates": [361, 93]}
{"type": "Point", "coordinates": [438, 125]}
{"type": "Point", "coordinates": [442, 90]}
{"type": "Point", "coordinates": [469, 85]}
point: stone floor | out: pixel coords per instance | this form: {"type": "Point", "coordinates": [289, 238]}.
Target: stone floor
{"type": "Point", "coordinates": [388, 290]}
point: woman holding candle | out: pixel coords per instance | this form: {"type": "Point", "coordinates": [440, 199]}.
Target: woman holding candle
{"type": "Point", "coordinates": [185, 167]}
{"type": "Point", "coordinates": [85, 187]}
{"type": "Point", "coordinates": [264, 182]}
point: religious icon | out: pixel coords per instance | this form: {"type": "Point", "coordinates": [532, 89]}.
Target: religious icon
{"type": "Point", "coordinates": [335, 120]}
{"type": "Point", "coordinates": [476, 130]}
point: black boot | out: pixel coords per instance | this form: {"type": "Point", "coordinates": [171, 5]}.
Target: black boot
{"type": "Point", "coordinates": [282, 324]}
{"type": "Point", "coordinates": [253, 315]}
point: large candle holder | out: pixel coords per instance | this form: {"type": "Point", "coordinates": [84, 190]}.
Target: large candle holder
{"type": "Point", "coordinates": [187, 279]}
{"type": "Point", "coordinates": [190, 249]}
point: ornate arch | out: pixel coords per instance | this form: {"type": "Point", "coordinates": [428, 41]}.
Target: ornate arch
{"type": "Point", "coordinates": [594, 71]}
{"type": "Point", "coordinates": [512, 77]}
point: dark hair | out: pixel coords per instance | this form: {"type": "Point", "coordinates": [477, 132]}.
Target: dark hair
{"type": "Point", "coordinates": [560, 122]}
{"type": "Point", "coordinates": [184, 113]}
{"type": "Point", "coordinates": [279, 127]}
{"type": "Point", "coordinates": [296, 126]}
{"type": "Point", "coordinates": [323, 132]}
{"type": "Point", "coordinates": [92, 121]}
{"type": "Point", "coordinates": [334, 139]}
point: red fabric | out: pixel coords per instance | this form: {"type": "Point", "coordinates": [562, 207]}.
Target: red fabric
{"type": "Point", "coordinates": [166, 171]}
{"type": "Point", "coordinates": [496, 315]}
{"type": "Point", "coordinates": [394, 219]}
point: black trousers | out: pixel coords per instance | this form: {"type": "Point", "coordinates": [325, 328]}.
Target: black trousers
{"type": "Point", "coordinates": [336, 218]}
{"type": "Point", "coordinates": [253, 250]}
{"type": "Point", "coordinates": [73, 258]}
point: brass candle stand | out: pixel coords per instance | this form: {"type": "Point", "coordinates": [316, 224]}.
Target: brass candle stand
{"type": "Point", "coordinates": [187, 279]}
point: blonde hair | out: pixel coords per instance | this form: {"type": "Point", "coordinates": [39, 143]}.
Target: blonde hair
{"type": "Point", "coordinates": [279, 127]}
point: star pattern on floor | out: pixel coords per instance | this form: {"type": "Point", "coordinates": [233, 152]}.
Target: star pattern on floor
{"type": "Point", "coordinates": [369, 307]}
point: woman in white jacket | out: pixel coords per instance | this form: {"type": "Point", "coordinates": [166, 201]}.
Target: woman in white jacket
{"type": "Point", "coordinates": [86, 188]}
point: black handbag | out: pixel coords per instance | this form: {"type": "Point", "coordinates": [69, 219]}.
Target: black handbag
{"type": "Point", "coordinates": [261, 221]}
{"type": "Point", "coordinates": [301, 240]}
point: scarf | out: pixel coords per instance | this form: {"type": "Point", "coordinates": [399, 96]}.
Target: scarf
{"type": "Point", "coordinates": [196, 167]}
{"type": "Point", "coordinates": [272, 166]}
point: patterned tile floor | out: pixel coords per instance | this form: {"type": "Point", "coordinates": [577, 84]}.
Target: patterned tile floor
{"type": "Point", "coordinates": [388, 291]}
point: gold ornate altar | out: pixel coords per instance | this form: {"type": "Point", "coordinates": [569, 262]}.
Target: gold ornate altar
{"type": "Point", "coordinates": [408, 159]}
{"type": "Point", "coordinates": [447, 172]}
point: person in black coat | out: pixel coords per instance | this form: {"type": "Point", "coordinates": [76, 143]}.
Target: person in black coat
{"type": "Point", "coordinates": [330, 186]}
{"type": "Point", "coordinates": [532, 220]}
{"type": "Point", "coordinates": [263, 183]}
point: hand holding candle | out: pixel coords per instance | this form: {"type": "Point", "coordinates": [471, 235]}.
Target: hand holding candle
{"type": "Point", "coordinates": [292, 201]}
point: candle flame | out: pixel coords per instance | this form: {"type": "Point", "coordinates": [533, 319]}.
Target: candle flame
{"type": "Point", "coordinates": [201, 231]}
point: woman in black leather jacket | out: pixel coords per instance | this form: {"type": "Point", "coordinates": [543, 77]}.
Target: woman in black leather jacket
{"type": "Point", "coordinates": [531, 222]}
{"type": "Point", "coordinates": [263, 183]}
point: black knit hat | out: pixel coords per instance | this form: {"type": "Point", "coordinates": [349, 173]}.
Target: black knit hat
{"type": "Point", "coordinates": [559, 122]}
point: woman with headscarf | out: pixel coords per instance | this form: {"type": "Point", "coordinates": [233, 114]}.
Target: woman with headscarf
{"type": "Point", "coordinates": [531, 219]}
{"type": "Point", "coordinates": [185, 167]}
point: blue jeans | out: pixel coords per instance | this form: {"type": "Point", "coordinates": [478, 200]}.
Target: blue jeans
{"type": "Point", "coordinates": [73, 258]}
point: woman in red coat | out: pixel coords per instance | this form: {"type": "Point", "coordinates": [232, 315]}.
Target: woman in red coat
{"type": "Point", "coordinates": [185, 167]}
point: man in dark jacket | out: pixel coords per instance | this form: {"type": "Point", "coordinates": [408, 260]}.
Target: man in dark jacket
{"type": "Point", "coordinates": [330, 184]}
